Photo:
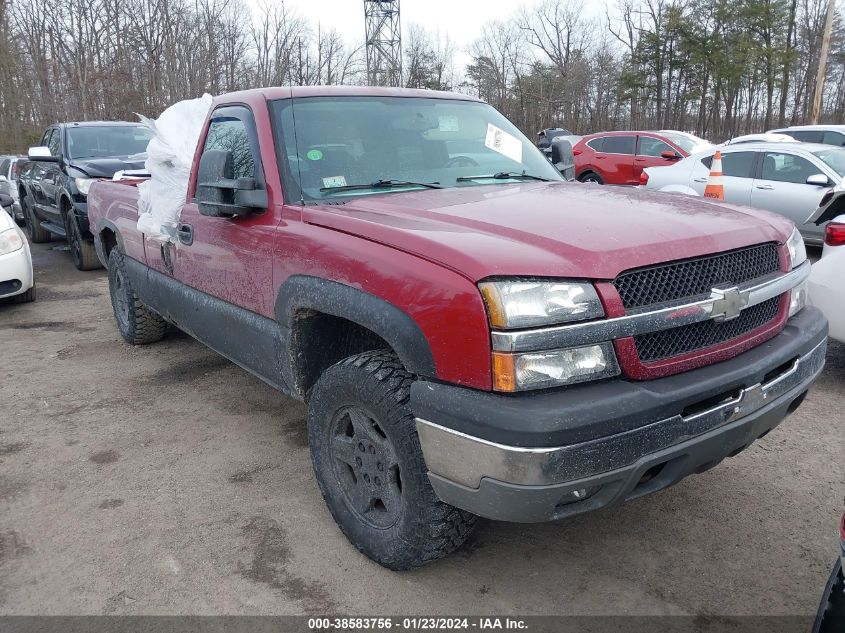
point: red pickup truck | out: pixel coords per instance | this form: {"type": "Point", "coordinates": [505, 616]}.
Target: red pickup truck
{"type": "Point", "coordinates": [473, 336]}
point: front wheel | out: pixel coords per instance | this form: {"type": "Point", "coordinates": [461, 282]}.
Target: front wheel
{"type": "Point", "coordinates": [370, 468]}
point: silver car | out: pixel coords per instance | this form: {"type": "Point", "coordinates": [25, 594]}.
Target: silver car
{"type": "Point", "coordinates": [786, 178]}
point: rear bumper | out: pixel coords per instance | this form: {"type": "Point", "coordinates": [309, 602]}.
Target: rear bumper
{"type": "Point", "coordinates": [541, 457]}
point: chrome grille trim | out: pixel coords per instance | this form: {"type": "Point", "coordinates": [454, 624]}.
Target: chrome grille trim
{"type": "Point", "coordinates": [643, 321]}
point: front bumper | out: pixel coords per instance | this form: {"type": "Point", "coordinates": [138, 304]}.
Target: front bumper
{"type": "Point", "coordinates": [539, 457]}
{"type": "Point", "coordinates": [16, 272]}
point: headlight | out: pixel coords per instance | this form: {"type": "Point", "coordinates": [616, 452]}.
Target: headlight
{"type": "Point", "coordinates": [10, 241]}
{"type": "Point", "coordinates": [84, 184]}
{"type": "Point", "coordinates": [553, 368]}
{"type": "Point", "coordinates": [798, 299]}
{"type": "Point", "coordinates": [520, 304]}
{"type": "Point", "coordinates": [797, 251]}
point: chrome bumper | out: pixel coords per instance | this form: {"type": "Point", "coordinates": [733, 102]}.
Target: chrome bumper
{"type": "Point", "coordinates": [466, 460]}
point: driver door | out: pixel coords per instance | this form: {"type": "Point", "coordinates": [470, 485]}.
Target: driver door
{"type": "Point", "coordinates": [230, 258]}
{"type": "Point", "coordinates": [781, 186]}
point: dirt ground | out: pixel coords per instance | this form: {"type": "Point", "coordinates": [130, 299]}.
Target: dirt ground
{"type": "Point", "coordinates": [166, 480]}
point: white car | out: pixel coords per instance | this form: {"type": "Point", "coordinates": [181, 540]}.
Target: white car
{"type": "Point", "coordinates": [17, 284]}
{"type": "Point", "coordinates": [790, 179]}
{"type": "Point", "coordinates": [767, 137]}
{"type": "Point", "coordinates": [825, 288]}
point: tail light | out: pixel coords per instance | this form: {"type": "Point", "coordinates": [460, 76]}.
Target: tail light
{"type": "Point", "coordinates": [643, 179]}
{"type": "Point", "coordinates": [834, 234]}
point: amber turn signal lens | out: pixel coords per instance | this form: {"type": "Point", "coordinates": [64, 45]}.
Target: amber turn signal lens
{"type": "Point", "coordinates": [504, 372]}
{"type": "Point", "coordinates": [495, 305]}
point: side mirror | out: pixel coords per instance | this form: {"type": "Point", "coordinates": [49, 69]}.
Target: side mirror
{"type": "Point", "coordinates": [670, 155]}
{"type": "Point", "coordinates": [42, 154]}
{"type": "Point", "coordinates": [5, 200]}
{"type": "Point", "coordinates": [221, 195]}
{"type": "Point", "coordinates": [3, 179]}
{"type": "Point", "coordinates": [562, 157]}
{"type": "Point", "coordinates": [819, 180]}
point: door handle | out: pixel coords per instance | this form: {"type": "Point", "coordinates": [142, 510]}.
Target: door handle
{"type": "Point", "coordinates": [186, 234]}
{"type": "Point", "coordinates": [699, 179]}
{"type": "Point", "coordinates": [766, 187]}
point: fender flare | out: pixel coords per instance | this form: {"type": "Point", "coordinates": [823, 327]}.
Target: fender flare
{"type": "Point", "coordinates": [307, 293]}
{"type": "Point", "coordinates": [99, 246]}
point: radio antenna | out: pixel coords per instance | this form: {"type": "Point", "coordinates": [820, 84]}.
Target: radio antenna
{"type": "Point", "coordinates": [293, 115]}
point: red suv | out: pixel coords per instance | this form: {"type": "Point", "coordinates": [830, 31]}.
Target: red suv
{"type": "Point", "coordinates": [618, 158]}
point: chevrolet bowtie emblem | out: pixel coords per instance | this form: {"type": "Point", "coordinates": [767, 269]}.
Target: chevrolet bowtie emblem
{"type": "Point", "coordinates": [727, 303]}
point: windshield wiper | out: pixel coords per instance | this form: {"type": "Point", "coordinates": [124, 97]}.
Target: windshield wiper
{"type": "Point", "coordinates": [384, 184]}
{"type": "Point", "coordinates": [503, 175]}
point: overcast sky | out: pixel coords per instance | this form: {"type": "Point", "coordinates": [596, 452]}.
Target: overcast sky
{"type": "Point", "coordinates": [460, 19]}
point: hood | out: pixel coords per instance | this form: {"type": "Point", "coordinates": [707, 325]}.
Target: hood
{"type": "Point", "coordinates": [104, 167]}
{"type": "Point", "coordinates": [550, 229]}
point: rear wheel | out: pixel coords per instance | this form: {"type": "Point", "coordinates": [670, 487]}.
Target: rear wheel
{"type": "Point", "coordinates": [83, 252]}
{"type": "Point", "coordinates": [370, 467]}
{"type": "Point", "coordinates": [592, 176]}
{"type": "Point", "coordinates": [137, 324]}
{"type": "Point", "coordinates": [34, 231]}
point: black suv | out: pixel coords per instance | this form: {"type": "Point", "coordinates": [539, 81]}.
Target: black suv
{"type": "Point", "coordinates": [53, 185]}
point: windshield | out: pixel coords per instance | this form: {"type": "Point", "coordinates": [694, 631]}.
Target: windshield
{"type": "Point", "coordinates": [343, 144]}
{"type": "Point", "coordinates": [100, 141]}
{"type": "Point", "coordinates": [833, 158]}
{"type": "Point", "coordinates": [687, 142]}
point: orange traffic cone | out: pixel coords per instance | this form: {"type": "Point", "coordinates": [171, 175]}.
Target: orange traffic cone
{"type": "Point", "coordinates": [715, 189]}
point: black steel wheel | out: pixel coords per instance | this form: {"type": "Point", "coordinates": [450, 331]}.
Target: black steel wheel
{"type": "Point", "coordinates": [366, 467]}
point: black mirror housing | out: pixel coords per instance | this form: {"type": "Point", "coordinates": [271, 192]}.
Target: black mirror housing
{"type": "Point", "coordinates": [220, 194]}
{"type": "Point", "coordinates": [562, 157]}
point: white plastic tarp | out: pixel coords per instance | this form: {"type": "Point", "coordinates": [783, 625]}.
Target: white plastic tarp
{"type": "Point", "coordinates": [170, 155]}
{"type": "Point", "coordinates": [827, 290]}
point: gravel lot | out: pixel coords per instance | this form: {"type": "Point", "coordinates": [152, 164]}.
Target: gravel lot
{"type": "Point", "coordinates": [166, 480]}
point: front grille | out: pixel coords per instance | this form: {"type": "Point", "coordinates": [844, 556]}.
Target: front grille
{"type": "Point", "coordinates": [689, 338]}
{"type": "Point", "coordinates": [695, 277]}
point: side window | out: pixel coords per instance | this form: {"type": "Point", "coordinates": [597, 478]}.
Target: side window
{"type": "Point", "coordinates": [619, 144]}
{"type": "Point", "coordinates": [806, 136]}
{"type": "Point", "coordinates": [736, 164]}
{"type": "Point", "coordinates": [55, 143]}
{"type": "Point", "coordinates": [46, 138]}
{"type": "Point", "coordinates": [787, 168]}
{"type": "Point", "coordinates": [653, 147]}
{"type": "Point", "coordinates": [228, 131]}
{"type": "Point", "coordinates": [597, 144]}
{"type": "Point", "coordinates": [4, 168]}
{"type": "Point", "coordinates": [833, 138]}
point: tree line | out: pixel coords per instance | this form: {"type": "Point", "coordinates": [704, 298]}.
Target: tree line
{"type": "Point", "coordinates": [717, 68]}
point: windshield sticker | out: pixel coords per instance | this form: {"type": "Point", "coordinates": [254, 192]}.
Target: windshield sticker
{"type": "Point", "coordinates": [448, 124]}
{"type": "Point", "coordinates": [505, 144]}
{"type": "Point", "coordinates": [314, 154]}
{"type": "Point", "coordinates": [334, 181]}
